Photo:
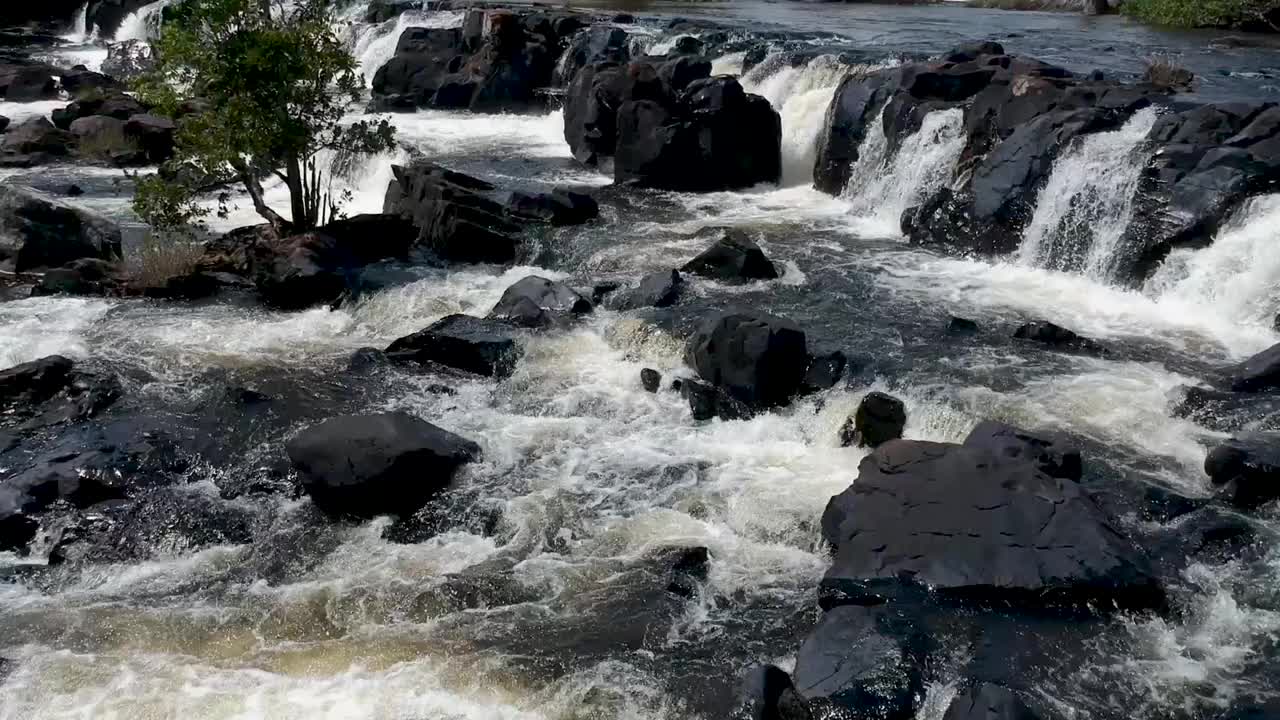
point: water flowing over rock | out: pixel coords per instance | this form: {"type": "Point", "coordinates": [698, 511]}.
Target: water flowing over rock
{"type": "Point", "coordinates": [920, 514]}
{"type": "Point", "coordinates": [988, 701]}
{"type": "Point", "coordinates": [1247, 469]}
{"type": "Point", "coordinates": [370, 465]}
{"type": "Point", "coordinates": [37, 231]}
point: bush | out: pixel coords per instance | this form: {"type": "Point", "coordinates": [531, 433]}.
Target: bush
{"type": "Point", "coordinates": [161, 257]}
{"type": "Point", "coordinates": [1163, 72]}
{"type": "Point", "coordinates": [1240, 14]}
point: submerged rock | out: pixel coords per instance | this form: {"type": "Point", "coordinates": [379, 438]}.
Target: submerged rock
{"type": "Point", "coordinates": [757, 358]}
{"type": "Point", "coordinates": [477, 345]}
{"type": "Point", "coordinates": [1060, 338]}
{"type": "Point", "coordinates": [767, 693]}
{"type": "Point", "coordinates": [368, 465]}
{"type": "Point", "coordinates": [707, 401]}
{"type": "Point", "coordinates": [37, 231]}
{"type": "Point", "coordinates": [879, 419]}
{"type": "Point", "coordinates": [1246, 469]}
{"type": "Point", "coordinates": [966, 525]}
{"type": "Point", "coordinates": [824, 371]}
{"type": "Point", "coordinates": [734, 258]}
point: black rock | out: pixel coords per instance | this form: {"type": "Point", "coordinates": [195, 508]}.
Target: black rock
{"type": "Point", "coordinates": [368, 465]}
{"type": "Point", "coordinates": [1055, 456]}
{"type": "Point", "coordinates": [1246, 469]}
{"type": "Point", "coordinates": [37, 231]}
{"type": "Point", "coordinates": [1227, 411]}
{"type": "Point", "coordinates": [707, 401]}
{"type": "Point", "coordinates": [458, 217]}
{"type": "Point", "coordinates": [50, 391]}
{"type": "Point", "coordinates": [85, 277]}
{"type": "Point", "coordinates": [16, 528]}
{"type": "Point", "coordinates": [965, 525]}
{"type": "Point", "coordinates": [767, 693]}
{"type": "Point", "coordinates": [1259, 373]}
{"type": "Point", "coordinates": [689, 568]}
{"type": "Point", "coordinates": [650, 380]}
{"type": "Point", "coordinates": [301, 271]}
{"type": "Point", "coordinates": [863, 659]}
{"type": "Point", "coordinates": [734, 258]}
{"type": "Point", "coordinates": [366, 358]}
{"type": "Point", "coordinates": [879, 419]}
{"type": "Point", "coordinates": [824, 371]}
{"type": "Point", "coordinates": [659, 289]}
{"type": "Point", "coordinates": [987, 701]}
{"type": "Point", "coordinates": [1046, 333]}
{"type": "Point", "coordinates": [478, 345]}
{"type": "Point", "coordinates": [603, 290]}
{"type": "Point", "coordinates": [536, 301]}
{"type": "Point", "coordinates": [558, 207]}
{"type": "Point", "coordinates": [961, 326]}
{"type": "Point", "coordinates": [757, 358]}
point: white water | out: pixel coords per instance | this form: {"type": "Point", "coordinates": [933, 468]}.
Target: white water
{"type": "Point", "coordinates": [374, 45]}
{"type": "Point", "coordinates": [801, 96]}
{"type": "Point", "coordinates": [79, 31]}
{"type": "Point", "coordinates": [881, 189]}
{"type": "Point", "coordinates": [141, 24]}
{"type": "Point", "coordinates": [1084, 208]}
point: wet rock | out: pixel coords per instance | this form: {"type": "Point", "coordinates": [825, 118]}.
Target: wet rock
{"type": "Point", "coordinates": [757, 358]}
{"type": "Point", "coordinates": [51, 391]}
{"type": "Point", "coordinates": [988, 701]}
{"type": "Point", "coordinates": [37, 231]}
{"type": "Point", "coordinates": [4, 123]}
{"type": "Point", "coordinates": [733, 258]}
{"type": "Point", "coordinates": [659, 289]}
{"type": "Point", "coordinates": [153, 134]}
{"type": "Point", "coordinates": [1211, 534]}
{"type": "Point", "coordinates": [34, 142]}
{"type": "Point", "coordinates": [1055, 456]}
{"type": "Point", "coordinates": [961, 326]}
{"type": "Point", "coordinates": [27, 83]}
{"type": "Point", "coordinates": [1260, 373]}
{"type": "Point", "coordinates": [458, 217]}
{"type": "Point", "coordinates": [1060, 338]}
{"type": "Point", "coordinates": [87, 277]}
{"type": "Point", "coordinates": [380, 11]}
{"type": "Point", "coordinates": [537, 302]}
{"type": "Point", "coordinates": [301, 271]}
{"type": "Point", "coordinates": [128, 60]}
{"type": "Point", "coordinates": [107, 15]}
{"type": "Point", "coordinates": [879, 419]}
{"type": "Point", "coordinates": [73, 190]}
{"type": "Point", "coordinates": [1246, 469]}
{"type": "Point", "coordinates": [824, 371]}
{"type": "Point", "coordinates": [367, 358]}
{"type": "Point", "coordinates": [598, 44]}
{"type": "Point", "coordinates": [368, 465]}
{"type": "Point", "coordinates": [558, 207]}
{"type": "Point", "coordinates": [477, 345]}
{"type": "Point", "coordinates": [600, 291]}
{"type": "Point", "coordinates": [963, 524]}
{"type": "Point", "coordinates": [767, 693]}
{"type": "Point", "coordinates": [1226, 411]}
{"type": "Point", "coordinates": [689, 569]}
{"type": "Point", "coordinates": [650, 380]}
{"type": "Point", "coordinates": [80, 80]}
{"type": "Point", "coordinates": [422, 60]}
{"type": "Point", "coordinates": [865, 660]}
{"type": "Point", "coordinates": [680, 73]}
{"type": "Point", "coordinates": [707, 401]}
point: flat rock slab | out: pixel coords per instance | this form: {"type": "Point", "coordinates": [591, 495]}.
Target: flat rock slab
{"type": "Point", "coordinates": [967, 525]}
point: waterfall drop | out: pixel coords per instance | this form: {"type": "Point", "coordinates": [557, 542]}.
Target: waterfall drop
{"type": "Point", "coordinates": [143, 23]}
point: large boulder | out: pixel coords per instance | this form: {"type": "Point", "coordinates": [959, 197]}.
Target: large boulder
{"type": "Point", "coordinates": [81, 80]}
{"type": "Point", "coordinates": [27, 83]}
{"type": "Point", "coordinates": [37, 231]}
{"type": "Point", "coordinates": [733, 258]}
{"type": "Point", "coordinates": [423, 58]}
{"type": "Point", "coordinates": [536, 301]}
{"type": "Point", "coordinates": [367, 465]}
{"type": "Point", "coordinates": [1259, 373]}
{"type": "Point", "coordinates": [51, 391]}
{"type": "Point", "coordinates": [672, 130]}
{"type": "Point", "coordinates": [84, 277]}
{"type": "Point", "coordinates": [1054, 455]}
{"type": "Point", "coordinates": [302, 270]}
{"type": "Point", "coordinates": [963, 524]}
{"type": "Point", "coordinates": [757, 358]}
{"type": "Point", "coordinates": [34, 142]}
{"type": "Point", "coordinates": [1246, 469]}
{"type": "Point", "coordinates": [111, 103]}
{"type": "Point", "coordinates": [477, 345]}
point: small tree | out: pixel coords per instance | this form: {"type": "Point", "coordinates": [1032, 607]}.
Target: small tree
{"type": "Point", "coordinates": [273, 82]}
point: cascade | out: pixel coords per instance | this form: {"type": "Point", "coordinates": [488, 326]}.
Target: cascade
{"type": "Point", "coordinates": [142, 24]}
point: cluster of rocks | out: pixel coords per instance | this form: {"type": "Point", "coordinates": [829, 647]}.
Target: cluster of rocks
{"type": "Point", "coordinates": [1020, 115]}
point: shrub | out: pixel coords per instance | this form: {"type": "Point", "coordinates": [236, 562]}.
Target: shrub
{"type": "Point", "coordinates": [1243, 14]}
{"type": "Point", "coordinates": [161, 257]}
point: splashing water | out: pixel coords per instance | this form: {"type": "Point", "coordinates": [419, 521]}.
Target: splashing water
{"type": "Point", "coordinates": [1083, 210]}
{"type": "Point", "coordinates": [79, 31]}
{"type": "Point", "coordinates": [374, 45]}
{"type": "Point", "coordinates": [143, 23]}
{"type": "Point", "coordinates": [881, 189]}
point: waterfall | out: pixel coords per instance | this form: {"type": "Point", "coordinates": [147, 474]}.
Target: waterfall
{"type": "Point", "coordinates": [79, 31]}
{"type": "Point", "coordinates": [801, 96]}
{"type": "Point", "coordinates": [881, 188]}
{"type": "Point", "coordinates": [142, 24]}
{"type": "Point", "coordinates": [1083, 210]}
{"type": "Point", "coordinates": [1237, 277]}
{"type": "Point", "coordinates": [374, 45]}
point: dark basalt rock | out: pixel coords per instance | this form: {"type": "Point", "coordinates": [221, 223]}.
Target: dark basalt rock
{"type": "Point", "coordinates": [961, 326]}
{"type": "Point", "coordinates": [734, 258]}
{"type": "Point", "coordinates": [879, 419]}
{"type": "Point", "coordinates": [1226, 411]}
{"type": "Point", "coordinates": [34, 142]}
{"type": "Point", "coordinates": [767, 693]}
{"type": "Point", "coordinates": [1055, 456]}
{"type": "Point", "coordinates": [558, 207]}
{"type": "Point", "coordinates": [598, 44]}
{"type": "Point", "coordinates": [367, 465]}
{"type": "Point", "coordinates": [866, 660]}
{"type": "Point", "coordinates": [1260, 373]}
{"type": "Point", "coordinates": [51, 391]}
{"type": "Point", "coordinates": [650, 380]}
{"type": "Point", "coordinates": [477, 345]}
{"type": "Point", "coordinates": [824, 372]}
{"type": "Point", "coordinates": [1246, 469]}
{"type": "Point", "coordinates": [154, 135]}
{"type": "Point", "coordinates": [81, 80]}
{"type": "Point", "coordinates": [988, 701]}
{"type": "Point", "coordinates": [707, 401]}
{"type": "Point", "coordinates": [111, 103]}
{"type": "Point", "coordinates": [37, 231]}
{"type": "Point", "coordinates": [536, 302]}
{"type": "Point", "coordinates": [87, 277]}
{"type": "Point", "coordinates": [1059, 338]}
{"type": "Point", "coordinates": [757, 358]}
{"type": "Point", "coordinates": [660, 289]}
{"type": "Point", "coordinates": [301, 271]}
{"type": "Point", "coordinates": [28, 83]}
{"type": "Point", "coordinates": [962, 524]}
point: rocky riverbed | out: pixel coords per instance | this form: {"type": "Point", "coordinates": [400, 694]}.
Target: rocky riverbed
{"type": "Point", "coordinates": [733, 365]}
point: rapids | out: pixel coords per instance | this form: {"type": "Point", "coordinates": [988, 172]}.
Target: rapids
{"type": "Point", "coordinates": [540, 602]}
